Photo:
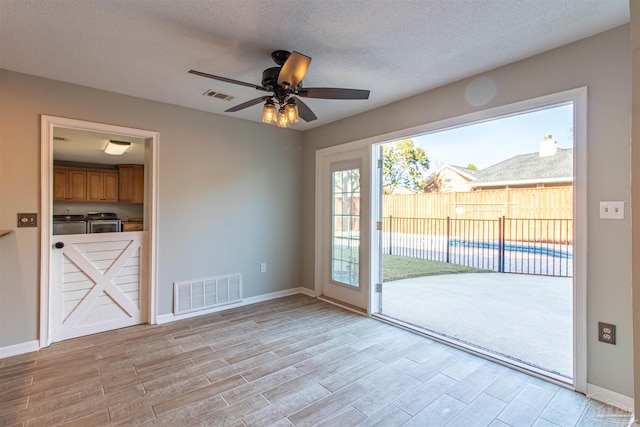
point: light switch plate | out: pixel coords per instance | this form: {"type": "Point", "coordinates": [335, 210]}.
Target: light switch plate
{"type": "Point", "coordinates": [611, 210]}
{"type": "Point", "coordinates": [27, 220]}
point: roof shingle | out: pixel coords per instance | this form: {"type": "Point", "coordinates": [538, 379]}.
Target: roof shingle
{"type": "Point", "coordinates": [527, 167]}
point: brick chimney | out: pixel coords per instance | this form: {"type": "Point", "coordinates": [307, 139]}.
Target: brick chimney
{"type": "Point", "coordinates": [548, 147]}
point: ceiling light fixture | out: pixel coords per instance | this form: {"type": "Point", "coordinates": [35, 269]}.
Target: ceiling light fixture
{"type": "Point", "coordinates": [269, 113]}
{"type": "Point", "coordinates": [283, 117]}
{"type": "Point", "coordinates": [116, 148]}
{"type": "Point", "coordinates": [292, 111]}
{"type": "Point", "coordinates": [283, 122]}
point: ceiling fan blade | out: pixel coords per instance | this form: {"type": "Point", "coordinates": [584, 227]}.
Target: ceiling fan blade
{"type": "Point", "coordinates": [304, 112]}
{"type": "Point", "coordinates": [226, 80]}
{"type": "Point", "coordinates": [293, 70]}
{"type": "Point", "coordinates": [333, 93]}
{"type": "Point", "coordinates": [247, 104]}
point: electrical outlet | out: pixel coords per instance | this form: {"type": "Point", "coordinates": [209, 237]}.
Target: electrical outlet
{"type": "Point", "coordinates": [607, 333]}
{"type": "Point", "coordinates": [27, 220]}
{"type": "Point", "coordinates": [263, 267]}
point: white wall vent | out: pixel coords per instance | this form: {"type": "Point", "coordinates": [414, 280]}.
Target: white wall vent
{"type": "Point", "coordinates": [206, 293]}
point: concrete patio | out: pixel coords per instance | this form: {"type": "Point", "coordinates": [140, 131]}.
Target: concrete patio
{"type": "Point", "coordinates": [526, 317]}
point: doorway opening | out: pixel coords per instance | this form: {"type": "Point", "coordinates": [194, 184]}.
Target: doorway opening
{"type": "Point", "coordinates": [477, 241]}
{"type": "Point", "coordinates": [98, 234]}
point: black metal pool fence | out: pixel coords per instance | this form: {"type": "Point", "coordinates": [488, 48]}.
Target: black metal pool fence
{"type": "Point", "coordinates": [507, 245]}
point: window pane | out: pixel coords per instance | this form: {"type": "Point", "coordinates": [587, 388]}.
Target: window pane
{"type": "Point", "coordinates": [345, 219]}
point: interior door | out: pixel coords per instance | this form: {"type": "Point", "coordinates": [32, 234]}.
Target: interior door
{"type": "Point", "coordinates": [96, 283]}
{"type": "Point", "coordinates": [345, 227]}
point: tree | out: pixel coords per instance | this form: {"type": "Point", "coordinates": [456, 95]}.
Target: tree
{"type": "Point", "coordinates": [405, 165]}
{"type": "Point", "coordinates": [472, 167]}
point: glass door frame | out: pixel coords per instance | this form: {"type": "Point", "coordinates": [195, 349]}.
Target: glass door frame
{"type": "Point", "coordinates": [346, 296]}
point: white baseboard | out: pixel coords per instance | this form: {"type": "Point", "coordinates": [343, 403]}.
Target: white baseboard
{"type": "Point", "coordinates": [610, 397]}
{"type": "Point", "coordinates": [166, 318]}
{"type": "Point", "coordinates": [307, 292]}
{"type": "Point", "coordinates": [16, 349]}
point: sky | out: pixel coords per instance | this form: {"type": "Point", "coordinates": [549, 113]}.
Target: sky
{"type": "Point", "coordinates": [488, 143]}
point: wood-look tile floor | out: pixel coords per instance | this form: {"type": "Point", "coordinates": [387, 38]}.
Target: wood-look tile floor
{"type": "Point", "coordinates": [292, 361]}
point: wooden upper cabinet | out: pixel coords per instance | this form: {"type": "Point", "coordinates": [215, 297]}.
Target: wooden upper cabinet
{"type": "Point", "coordinates": [131, 183]}
{"type": "Point", "coordinates": [102, 186]}
{"type": "Point", "coordinates": [111, 187]}
{"type": "Point", "coordinates": [69, 185]}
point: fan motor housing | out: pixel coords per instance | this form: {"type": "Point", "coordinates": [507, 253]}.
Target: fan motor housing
{"type": "Point", "coordinates": [280, 56]}
{"type": "Point", "coordinates": [270, 77]}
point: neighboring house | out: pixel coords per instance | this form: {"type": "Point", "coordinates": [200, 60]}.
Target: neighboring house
{"type": "Point", "coordinates": [550, 167]}
{"type": "Point", "coordinates": [449, 178]}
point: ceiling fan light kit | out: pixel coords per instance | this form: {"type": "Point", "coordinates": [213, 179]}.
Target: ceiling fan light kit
{"type": "Point", "coordinates": [291, 110]}
{"type": "Point", "coordinates": [285, 82]}
{"type": "Point", "coordinates": [269, 113]}
{"type": "Point", "coordinates": [283, 122]}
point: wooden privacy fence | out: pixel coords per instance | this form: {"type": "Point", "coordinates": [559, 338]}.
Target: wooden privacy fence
{"type": "Point", "coordinates": [528, 203]}
{"type": "Point", "coordinates": [549, 202]}
{"type": "Point", "coordinates": [533, 230]}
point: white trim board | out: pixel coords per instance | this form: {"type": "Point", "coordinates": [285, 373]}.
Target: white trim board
{"type": "Point", "coordinates": [21, 348]}
{"type": "Point", "coordinates": [167, 318]}
{"type": "Point", "coordinates": [610, 397]}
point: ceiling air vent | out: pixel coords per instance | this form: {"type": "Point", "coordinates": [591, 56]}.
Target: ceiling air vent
{"type": "Point", "coordinates": [213, 94]}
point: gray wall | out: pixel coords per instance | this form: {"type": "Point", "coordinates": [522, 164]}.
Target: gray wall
{"type": "Point", "coordinates": [635, 194]}
{"type": "Point", "coordinates": [602, 63]}
{"type": "Point", "coordinates": [230, 193]}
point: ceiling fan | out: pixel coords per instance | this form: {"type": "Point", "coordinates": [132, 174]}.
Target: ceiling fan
{"type": "Point", "coordinates": [285, 83]}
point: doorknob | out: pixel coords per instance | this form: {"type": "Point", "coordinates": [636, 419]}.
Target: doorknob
{"type": "Point", "coordinates": [59, 245]}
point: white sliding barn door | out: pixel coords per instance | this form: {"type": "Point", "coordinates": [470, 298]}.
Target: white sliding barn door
{"type": "Point", "coordinates": [96, 283]}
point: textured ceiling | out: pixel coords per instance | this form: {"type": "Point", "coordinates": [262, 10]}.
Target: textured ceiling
{"type": "Point", "coordinates": [395, 48]}
{"type": "Point", "coordinates": [88, 147]}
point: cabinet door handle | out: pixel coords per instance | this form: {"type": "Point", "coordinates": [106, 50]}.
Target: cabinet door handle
{"type": "Point", "coordinates": [59, 245]}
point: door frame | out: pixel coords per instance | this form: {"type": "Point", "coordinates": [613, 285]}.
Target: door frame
{"type": "Point", "coordinates": [322, 181]}
{"type": "Point", "coordinates": [47, 126]}
{"type": "Point", "coordinates": [580, 212]}
{"type": "Point", "coordinates": [324, 160]}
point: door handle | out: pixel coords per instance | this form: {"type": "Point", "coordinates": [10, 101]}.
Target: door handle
{"type": "Point", "coordinates": [59, 245]}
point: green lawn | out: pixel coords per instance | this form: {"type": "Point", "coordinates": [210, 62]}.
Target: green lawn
{"type": "Point", "coordinates": [397, 267]}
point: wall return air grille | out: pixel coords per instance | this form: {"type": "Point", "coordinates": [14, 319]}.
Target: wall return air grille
{"type": "Point", "coordinates": [206, 293]}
